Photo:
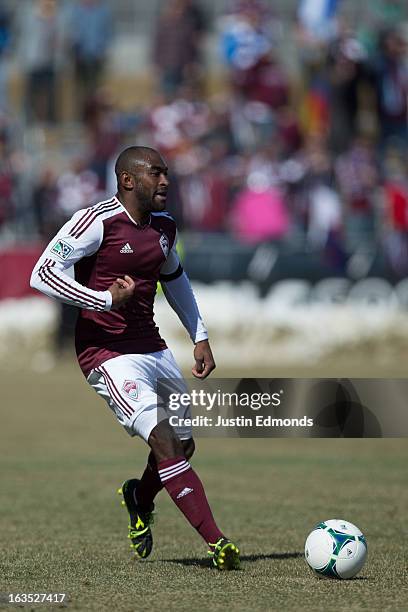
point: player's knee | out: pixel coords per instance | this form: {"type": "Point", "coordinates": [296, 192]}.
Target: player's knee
{"type": "Point", "coordinates": [164, 442]}
{"type": "Point", "coordinates": [189, 448]}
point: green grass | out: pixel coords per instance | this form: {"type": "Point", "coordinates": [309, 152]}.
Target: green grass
{"type": "Point", "coordinates": [63, 529]}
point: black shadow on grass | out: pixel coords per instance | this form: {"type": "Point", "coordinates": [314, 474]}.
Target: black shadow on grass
{"type": "Point", "coordinates": [250, 558]}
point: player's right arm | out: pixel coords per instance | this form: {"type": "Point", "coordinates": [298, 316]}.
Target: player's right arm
{"type": "Point", "coordinates": [53, 274]}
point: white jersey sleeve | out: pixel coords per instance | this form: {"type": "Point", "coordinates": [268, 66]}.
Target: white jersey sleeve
{"type": "Point", "coordinates": [53, 274]}
{"type": "Point", "coordinates": [180, 296]}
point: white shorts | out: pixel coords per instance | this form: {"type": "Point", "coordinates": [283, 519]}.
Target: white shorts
{"type": "Point", "coordinates": [128, 384]}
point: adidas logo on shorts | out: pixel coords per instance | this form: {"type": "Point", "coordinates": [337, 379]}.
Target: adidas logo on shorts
{"type": "Point", "coordinates": [126, 248]}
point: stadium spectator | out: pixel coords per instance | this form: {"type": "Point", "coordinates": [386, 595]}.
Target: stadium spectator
{"type": "Point", "coordinates": [90, 35]}
{"type": "Point", "coordinates": [247, 39]}
{"type": "Point", "coordinates": [204, 188]}
{"type": "Point", "coordinates": [177, 52]}
{"type": "Point", "coordinates": [245, 35]}
{"type": "Point", "coordinates": [346, 74]}
{"type": "Point", "coordinates": [396, 214]}
{"type": "Point", "coordinates": [182, 118]}
{"type": "Point", "coordinates": [56, 197]}
{"type": "Point", "coordinates": [325, 209]}
{"type": "Point", "coordinates": [259, 212]}
{"type": "Point", "coordinates": [41, 48]}
{"type": "Point", "coordinates": [45, 204]}
{"type": "Point", "coordinates": [391, 85]}
{"type": "Point", "coordinates": [5, 43]}
{"type": "Point", "coordinates": [6, 180]}
{"type": "Point", "coordinates": [318, 21]}
{"type": "Point", "coordinates": [76, 187]}
{"type": "Point", "coordinates": [357, 176]}
{"type": "Point", "coordinates": [265, 82]}
{"type": "Point", "coordinates": [103, 134]}
{"type": "Point", "coordinates": [288, 131]}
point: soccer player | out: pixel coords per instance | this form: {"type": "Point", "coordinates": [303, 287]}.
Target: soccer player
{"type": "Point", "coordinates": [107, 261]}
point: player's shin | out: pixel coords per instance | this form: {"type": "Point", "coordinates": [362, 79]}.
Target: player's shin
{"type": "Point", "coordinates": [186, 490]}
{"type": "Point", "coordinates": [150, 484]}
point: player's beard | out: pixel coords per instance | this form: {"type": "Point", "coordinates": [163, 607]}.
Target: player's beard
{"type": "Point", "coordinates": [145, 199]}
{"type": "Point", "coordinates": [149, 202]}
{"type": "Point", "coordinates": [159, 203]}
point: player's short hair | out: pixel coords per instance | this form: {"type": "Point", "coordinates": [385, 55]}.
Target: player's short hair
{"type": "Point", "coordinates": [131, 156]}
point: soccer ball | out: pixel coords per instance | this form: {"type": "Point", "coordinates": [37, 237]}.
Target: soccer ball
{"type": "Point", "coordinates": [336, 548]}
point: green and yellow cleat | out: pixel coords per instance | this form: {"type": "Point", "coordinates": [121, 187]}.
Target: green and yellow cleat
{"type": "Point", "coordinates": [140, 533]}
{"type": "Point", "coordinates": [225, 555]}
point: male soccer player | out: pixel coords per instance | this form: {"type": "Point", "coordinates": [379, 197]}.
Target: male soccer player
{"type": "Point", "coordinates": [107, 260]}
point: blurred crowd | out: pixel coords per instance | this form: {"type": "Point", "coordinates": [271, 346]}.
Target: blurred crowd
{"type": "Point", "coordinates": [303, 143]}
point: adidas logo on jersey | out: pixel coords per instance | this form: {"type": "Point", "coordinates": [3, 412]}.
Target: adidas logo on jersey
{"type": "Point", "coordinates": [184, 492]}
{"type": "Point", "coordinates": [126, 248]}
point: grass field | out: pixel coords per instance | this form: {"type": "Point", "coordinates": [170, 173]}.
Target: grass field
{"type": "Point", "coordinates": [63, 530]}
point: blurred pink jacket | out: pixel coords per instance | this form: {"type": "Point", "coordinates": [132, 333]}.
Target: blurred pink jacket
{"type": "Point", "coordinates": [259, 216]}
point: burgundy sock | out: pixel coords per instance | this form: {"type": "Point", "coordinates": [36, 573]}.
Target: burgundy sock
{"type": "Point", "coordinates": [150, 484]}
{"type": "Point", "coordinates": [185, 489]}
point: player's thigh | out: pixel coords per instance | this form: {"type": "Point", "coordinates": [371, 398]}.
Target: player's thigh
{"type": "Point", "coordinates": [174, 394]}
{"type": "Point", "coordinates": [127, 384]}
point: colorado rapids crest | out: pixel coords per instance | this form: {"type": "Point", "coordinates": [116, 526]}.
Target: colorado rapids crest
{"type": "Point", "coordinates": [164, 243]}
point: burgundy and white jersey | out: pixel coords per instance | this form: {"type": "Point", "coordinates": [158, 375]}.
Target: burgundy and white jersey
{"type": "Point", "coordinates": [98, 245]}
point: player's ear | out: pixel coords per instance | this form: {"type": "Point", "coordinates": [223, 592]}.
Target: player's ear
{"type": "Point", "coordinates": [126, 181]}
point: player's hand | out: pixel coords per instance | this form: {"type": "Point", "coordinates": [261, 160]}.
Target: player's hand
{"type": "Point", "coordinates": [122, 290]}
{"type": "Point", "coordinates": [204, 360]}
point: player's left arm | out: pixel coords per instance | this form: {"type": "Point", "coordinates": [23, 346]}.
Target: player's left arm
{"type": "Point", "coordinates": [180, 296]}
